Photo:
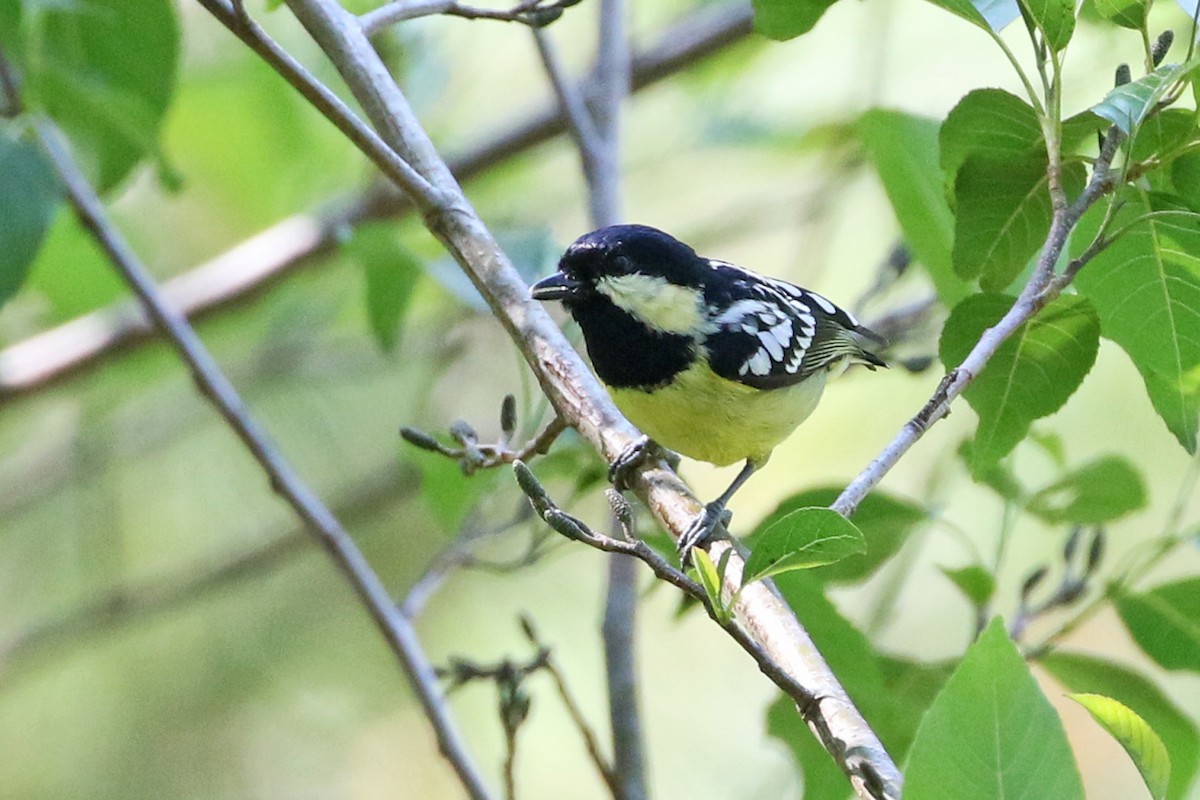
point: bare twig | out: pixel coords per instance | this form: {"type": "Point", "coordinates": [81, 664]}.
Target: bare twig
{"type": "Point", "coordinates": [574, 711]}
{"type": "Point", "coordinates": [534, 13]}
{"type": "Point", "coordinates": [283, 479]}
{"type": "Point", "coordinates": [302, 239]}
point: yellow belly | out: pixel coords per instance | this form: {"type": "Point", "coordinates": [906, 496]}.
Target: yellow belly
{"type": "Point", "coordinates": [709, 418]}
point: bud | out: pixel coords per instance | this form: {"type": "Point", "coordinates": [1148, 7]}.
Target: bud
{"type": "Point", "coordinates": [1159, 51]}
{"type": "Point", "coordinates": [463, 433]}
{"type": "Point", "coordinates": [1096, 553]}
{"type": "Point", "coordinates": [1123, 75]}
{"type": "Point", "coordinates": [1031, 583]}
{"type": "Point", "coordinates": [508, 416]}
{"type": "Point", "coordinates": [1072, 544]}
{"type": "Point", "coordinates": [421, 439]}
{"type": "Point", "coordinates": [531, 487]}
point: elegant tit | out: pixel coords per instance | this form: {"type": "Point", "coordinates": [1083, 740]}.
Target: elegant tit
{"type": "Point", "coordinates": [710, 360]}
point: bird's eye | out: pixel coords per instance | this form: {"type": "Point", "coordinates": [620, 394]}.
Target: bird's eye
{"type": "Point", "coordinates": [622, 265]}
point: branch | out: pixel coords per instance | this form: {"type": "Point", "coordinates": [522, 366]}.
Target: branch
{"type": "Point", "coordinates": [1043, 287]}
{"type": "Point", "coordinates": [300, 240]}
{"type": "Point", "coordinates": [321, 523]}
{"type": "Point", "coordinates": [578, 397]}
{"type": "Point", "coordinates": [528, 12]}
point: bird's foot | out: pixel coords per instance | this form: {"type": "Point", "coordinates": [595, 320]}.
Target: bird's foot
{"type": "Point", "coordinates": [637, 454]}
{"type": "Point", "coordinates": [701, 530]}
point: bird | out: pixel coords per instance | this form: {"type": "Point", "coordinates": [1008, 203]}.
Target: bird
{"type": "Point", "coordinates": [707, 359]}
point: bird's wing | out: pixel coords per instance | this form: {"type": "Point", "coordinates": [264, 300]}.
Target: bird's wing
{"type": "Point", "coordinates": [770, 333]}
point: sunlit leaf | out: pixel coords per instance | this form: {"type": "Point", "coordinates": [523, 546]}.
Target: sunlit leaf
{"type": "Point", "coordinates": [1165, 622]}
{"type": "Point", "coordinates": [805, 538]}
{"type": "Point", "coordinates": [1081, 673]}
{"type": "Point", "coordinates": [991, 734]}
{"type": "Point", "coordinates": [884, 521]}
{"type": "Point", "coordinates": [29, 194]}
{"type": "Point", "coordinates": [1126, 13]}
{"type": "Point", "coordinates": [1054, 18]}
{"type": "Point", "coordinates": [1032, 374]}
{"type": "Point", "coordinates": [710, 579]}
{"type": "Point", "coordinates": [1146, 289]}
{"type": "Point", "coordinates": [1099, 491]}
{"type": "Point", "coordinates": [1136, 736]}
{"type": "Point", "coordinates": [990, 123]}
{"type": "Point", "coordinates": [904, 150]}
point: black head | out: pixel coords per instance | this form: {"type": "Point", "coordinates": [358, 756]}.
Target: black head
{"type": "Point", "coordinates": [616, 251]}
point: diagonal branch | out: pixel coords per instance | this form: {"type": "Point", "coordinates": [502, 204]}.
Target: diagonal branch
{"type": "Point", "coordinates": [208, 377]}
{"type": "Point", "coordinates": [577, 396]}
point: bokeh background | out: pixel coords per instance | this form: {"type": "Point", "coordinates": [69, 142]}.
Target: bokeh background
{"type": "Point", "coordinates": [167, 631]}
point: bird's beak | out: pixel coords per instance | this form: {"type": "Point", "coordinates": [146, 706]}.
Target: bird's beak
{"type": "Point", "coordinates": [555, 287]}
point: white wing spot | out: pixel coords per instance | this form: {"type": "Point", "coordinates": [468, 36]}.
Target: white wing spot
{"type": "Point", "coordinates": [826, 306]}
{"type": "Point", "coordinates": [760, 364]}
{"type": "Point", "coordinates": [771, 344]}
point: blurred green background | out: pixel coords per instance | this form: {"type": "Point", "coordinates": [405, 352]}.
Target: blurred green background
{"type": "Point", "coordinates": [127, 670]}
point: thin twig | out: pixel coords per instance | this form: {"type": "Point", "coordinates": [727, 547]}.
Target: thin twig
{"type": "Point", "coordinates": [283, 479]}
{"type": "Point", "coordinates": [529, 12]}
{"type": "Point", "coordinates": [1043, 287]}
{"type": "Point", "coordinates": [590, 741]}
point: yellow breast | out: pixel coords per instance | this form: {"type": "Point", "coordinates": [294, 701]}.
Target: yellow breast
{"type": "Point", "coordinates": [709, 418]}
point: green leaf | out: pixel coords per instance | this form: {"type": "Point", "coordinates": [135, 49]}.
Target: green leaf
{"type": "Point", "coordinates": [999, 477]}
{"type": "Point", "coordinates": [105, 71]}
{"type": "Point", "coordinates": [392, 272]}
{"type": "Point", "coordinates": [1126, 13]}
{"type": "Point", "coordinates": [904, 150]}
{"type": "Point", "coordinates": [1185, 176]}
{"type": "Point", "coordinates": [1097, 492]}
{"type": "Point", "coordinates": [1054, 18]}
{"type": "Point", "coordinates": [710, 579]}
{"type": "Point", "coordinates": [1032, 374]}
{"type": "Point", "coordinates": [1165, 622]}
{"type": "Point", "coordinates": [1126, 106]}
{"type": "Point", "coordinates": [1146, 288]}
{"type": "Point", "coordinates": [975, 582]}
{"type": "Point", "coordinates": [884, 521]}
{"type": "Point", "coordinates": [787, 19]}
{"type": "Point", "coordinates": [1082, 673]}
{"type": "Point", "coordinates": [990, 123]}
{"type": "Point", "coordinates": [29, 195]}
{"type": "Point", "coordinates": [991, 734]}
{"type": "Point", "coordinates": [1140, 741]}
{"type": "Point", "coordinates": [805, 538]}
{"type": "Point", "coordinates": [1004, 212]}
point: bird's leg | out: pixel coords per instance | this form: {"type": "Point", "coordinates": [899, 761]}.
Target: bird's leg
{"type": "Point", "coordinates": [636, 454]}
{"type": "Point", "coordinates": [714, 513]}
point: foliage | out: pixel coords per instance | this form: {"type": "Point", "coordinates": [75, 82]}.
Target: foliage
{"type": "Point", "coordinates": [1090, 223]}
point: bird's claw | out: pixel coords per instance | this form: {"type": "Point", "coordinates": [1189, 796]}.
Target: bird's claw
{"type": "Point", "coordinates": [701, 530]}
{"type": "Point", "coordinates": [636, 454]}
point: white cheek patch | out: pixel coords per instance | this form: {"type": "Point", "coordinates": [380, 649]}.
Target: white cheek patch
{"type": "Point", "coordinates": [655, 301]}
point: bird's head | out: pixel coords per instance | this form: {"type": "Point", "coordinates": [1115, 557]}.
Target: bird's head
{"type": "Point", "coordinates": [642, 271]}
